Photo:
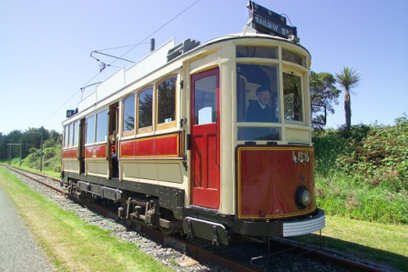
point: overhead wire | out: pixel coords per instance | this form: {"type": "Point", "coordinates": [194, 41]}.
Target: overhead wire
{"type": "Point", "coordinates": [133, 47]}
{"type": "Point", "coordinates": [157, 30]}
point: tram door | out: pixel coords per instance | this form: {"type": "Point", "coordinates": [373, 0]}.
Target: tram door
{"type": "Point", "coordinates": [205, 139]}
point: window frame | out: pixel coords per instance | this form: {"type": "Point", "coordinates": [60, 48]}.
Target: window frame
{"type": "Point", "coordinates": [76, 133]}
{"type": "Point", "coordinates": [295, 54]}
{"type": "Point", "coordinates": [147, 128]}
{"type": "Point", "coordinates": [106, 127]}
{"type": "Point", "coordinates": [129, 132]}
{"type": "Point", "coordinates": [93, 115]}
{"type": "Point", "coordinates": [289, 70]}
{"type": "Point", "coordinates": [171, 124]}
{"type": "Point", "coordinates": [66, 136]}
{"type": "Point", "coordinates": [71, 134]}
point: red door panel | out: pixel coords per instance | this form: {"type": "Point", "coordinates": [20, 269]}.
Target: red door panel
{"type": "Point", "coordinates": [205, 140]}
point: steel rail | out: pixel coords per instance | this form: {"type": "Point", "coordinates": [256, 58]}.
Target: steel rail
{"type": "Point", "coordinates": [37, 174]}
{"type": "Point", "coordinates": [317, 253]}
{"type": "Point", "coordinates": [62, 192]}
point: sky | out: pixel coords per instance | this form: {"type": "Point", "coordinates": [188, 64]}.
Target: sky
{"type": "Point", "coordinates": [45, 48]}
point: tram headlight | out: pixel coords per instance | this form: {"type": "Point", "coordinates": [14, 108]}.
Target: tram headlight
{"type": "Point", "coordinates": [302, 197]}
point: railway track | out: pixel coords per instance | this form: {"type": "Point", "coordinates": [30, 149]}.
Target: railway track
{"type": "Point", "coordinates": [230, 257]}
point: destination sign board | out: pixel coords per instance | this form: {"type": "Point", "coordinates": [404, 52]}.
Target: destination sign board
{"type": "Point", "coordinates": [269, 22]}
{"type": "Point", "coordinates": [272, 26]}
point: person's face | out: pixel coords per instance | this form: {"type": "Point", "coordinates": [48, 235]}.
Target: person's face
{"type": "Point", "coordinates": [264, 97]}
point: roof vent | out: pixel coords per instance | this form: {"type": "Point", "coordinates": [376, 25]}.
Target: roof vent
{"type": "Point", "coordinates": [181, 48]}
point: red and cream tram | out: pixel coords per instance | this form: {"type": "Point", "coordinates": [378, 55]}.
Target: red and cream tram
{"type": "Point", "coordinates": [210, 140]}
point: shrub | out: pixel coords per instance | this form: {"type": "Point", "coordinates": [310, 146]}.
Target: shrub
{"type": "Point", "coordinates": [362, 172]}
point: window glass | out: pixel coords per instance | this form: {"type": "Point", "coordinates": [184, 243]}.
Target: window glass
{"type": "Point", "coordinates": [293, 57]}
{"type": "Point", "coordinates": [76, 132]}
{"type": "Point", "coordinates": [167, 100]}
{"type": "Point", "coordinates": [292, 97]}
{"type": "Point", "coordinates": [102, 126]}
{"type": "Point", "coordinates": [258, 101]}
{"type": "Point", "coordinates": [257, 93]}
{"type": "Point", "coordinates": [145, 108]}
{"type": "Point", "coordinates": [90, 129]}
{"type": "Point", "coordinates": [71, 134]}
{"type": "Point", "coordinates": [257, 52]}
{"type": "Point", "coordinates": [205, 91]}
{"type": "Point", "coordinates": [129, 113]}
{"type": "Point", "coordinates": [66, 136]}
{"type": "Point", "coordinates": [258, 133]}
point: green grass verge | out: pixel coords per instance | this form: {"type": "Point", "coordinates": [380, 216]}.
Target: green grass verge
{"type": "Point", "coordinates": [72, 244]}
{"type": "Point", "coordinates": [383, 243]}
{"type": "Point", "coordinates": [347, 197]}
{"type": "Point", "coordinates": [45, 171]}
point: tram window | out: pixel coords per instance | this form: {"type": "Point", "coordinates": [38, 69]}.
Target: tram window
{"type": "Point", "coordinates": [293, 57]}
{"type": "Point", "coordinates": [257, 93]}
{"type": "Point", "coordinates": [258, 133]}
{"type": "Point", "coordinates": [66, 136]}
{"type": "Point", "coordinates": [257, 52]}
{"type": "Point", "coordinates": [102, 126]}
{"type": "Point", "coordinates": [292, 97]}
{"type": "Point", "coordinates": [76, 132]}
{"type": "Point", "coordinates": [167, 100]}
{"type": "Point", "coordinates": [90, 129]}
{"type": "Point", "coordinates": [205, 100]}
{"type": "Point", "coordinates": [71, 134]}
{"type": "Point", "coordinates": [145, 108]}
{"type": "Point", "coordinates": [129, 114]}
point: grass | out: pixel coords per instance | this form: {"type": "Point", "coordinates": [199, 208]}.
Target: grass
{"type": "Point", "coordinates": [380, 243]}
{"type": "Point", "coordinates": [383, 243]}
{"type": "Point", "coordinates": [72, 244]}
{"type": "Point", "coordinates": [45, 171]}
{"type": "Point", "coordinates": [342, 195]}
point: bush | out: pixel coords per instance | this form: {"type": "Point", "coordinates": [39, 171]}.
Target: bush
{"type": "Point", "coordinates": [362, 172]}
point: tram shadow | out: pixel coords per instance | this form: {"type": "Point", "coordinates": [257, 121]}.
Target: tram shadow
{"type": "Point", "coordinates": [355, 250]}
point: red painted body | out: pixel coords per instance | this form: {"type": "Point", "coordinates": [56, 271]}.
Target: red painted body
{"type": "Point", "coordinates": [95, 152]}
{"type": "Point", "coordinates": [205, 151]}
{"type": "Point", "coordinates": [152, 147]}
{"type": "Point", "coordinates": [267, 180]}
{"type": "Point", "coordinates": [70, 153]}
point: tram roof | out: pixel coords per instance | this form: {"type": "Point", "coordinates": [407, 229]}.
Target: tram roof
{"type": "Point", "coordinates": [247, 35]}
{"type": "Point", "coordinates": [155, 61]}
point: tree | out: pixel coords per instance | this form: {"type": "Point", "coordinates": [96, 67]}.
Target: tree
{"type": "Point", "coordinates": [323, 95]}
{"type": "Point", "coordinates": [348, 79]}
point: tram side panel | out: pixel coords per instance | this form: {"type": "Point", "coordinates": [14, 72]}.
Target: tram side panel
{"type": "Point", "coordinates": [69, 160]}
{"type": "Point", "coordinates": [153, 159]}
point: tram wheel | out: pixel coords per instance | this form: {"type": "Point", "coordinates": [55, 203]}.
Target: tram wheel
{"type": "Point", "coordinates": [167, 231]}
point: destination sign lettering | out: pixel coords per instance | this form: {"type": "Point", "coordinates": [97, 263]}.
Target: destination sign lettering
{"type": "Point", "coordinates": [274, 27]}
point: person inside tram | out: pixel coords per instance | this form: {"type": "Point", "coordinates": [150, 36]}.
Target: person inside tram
{"type": "Point", "coordinates": [260, 111]}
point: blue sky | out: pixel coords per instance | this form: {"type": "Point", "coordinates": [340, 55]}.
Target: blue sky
{"type": "Point", "coordinates": [45, 47]}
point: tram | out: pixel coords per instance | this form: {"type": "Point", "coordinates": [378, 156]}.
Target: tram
{"type": "Point", "coordinates": [210, 140]}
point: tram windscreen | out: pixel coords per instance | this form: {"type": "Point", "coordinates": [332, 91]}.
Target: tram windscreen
{"type": "Point", "coordinates": [258, 101]}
